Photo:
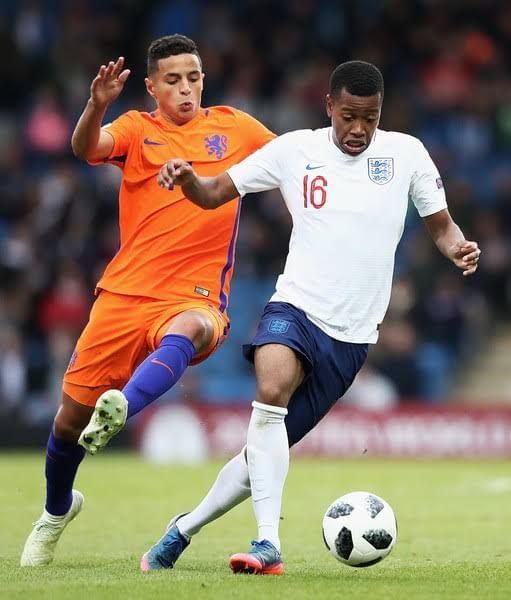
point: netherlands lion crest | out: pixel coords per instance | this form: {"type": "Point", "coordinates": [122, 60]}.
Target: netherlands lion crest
{"type": "Point", "coordinates": [381, 170]}
{"type": "Point", "coordinates": [216, 144]}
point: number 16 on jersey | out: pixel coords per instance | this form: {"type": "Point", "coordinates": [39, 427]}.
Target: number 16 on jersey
{"type": "Point", "coordinates": [314, 192]}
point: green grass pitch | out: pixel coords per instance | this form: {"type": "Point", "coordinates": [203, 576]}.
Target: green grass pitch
{"type": "Point", "coordinates": [453, 516]}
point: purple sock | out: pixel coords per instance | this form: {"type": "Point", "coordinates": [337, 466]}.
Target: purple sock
{"type": "Point", "coordinates": [62, 461]}
{"type": "Point", "coordinates": [159, 372]}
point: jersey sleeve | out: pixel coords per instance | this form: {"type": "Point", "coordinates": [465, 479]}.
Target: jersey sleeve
{"type": "Point", "coordinates": [123, 130]}
{"type": "Point", "coordinates": [255, 134]}
{"type": "Point", "coordinates": [426, 188]}
{"type": "Point", "coordinates": [262, 170]}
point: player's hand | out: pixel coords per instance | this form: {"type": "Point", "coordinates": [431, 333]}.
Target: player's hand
{"type": "Point", "coordinates": [465, 255]}
{"type": "Point", "coordinates": [108, 83]}
{"type": "Point", "coordinates": [175, 171]}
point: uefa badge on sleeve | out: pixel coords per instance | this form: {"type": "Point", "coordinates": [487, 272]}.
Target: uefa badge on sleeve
{"type": "Point", "coordinates": [381, 170]}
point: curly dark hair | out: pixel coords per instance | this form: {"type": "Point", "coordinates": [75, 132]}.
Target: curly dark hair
{"type": "Point", "coordinates": [358, 78]}
{"type": "Point", "coordinates": [170, 45]}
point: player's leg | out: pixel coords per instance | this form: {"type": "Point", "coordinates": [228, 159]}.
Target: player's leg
{"type": "Point", "coordinates": [104, 355]}
{"type": "Point", "coordinates": [334, 367]}
{"type": "Point", "coordinates": [279, 372]}
{"type": "Point", "coordinates": [186, 335]}
{"type": "Point", "coordinates": [231, 487]}
{"type": "Point", "coordinates": [331, 365]}
{"type": "Point", "coordinates": [308, 405]}
{"type": "Point", "coordinates": [63, 457]}
{"type": "Point", "coordinates": [177, 342]}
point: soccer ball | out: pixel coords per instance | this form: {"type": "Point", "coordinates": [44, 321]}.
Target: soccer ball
{"type": "Point", "coordinates": [359, 529]}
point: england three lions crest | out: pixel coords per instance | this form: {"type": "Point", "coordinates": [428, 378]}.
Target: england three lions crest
{"type": "Point", "coordinates": [381, 170]}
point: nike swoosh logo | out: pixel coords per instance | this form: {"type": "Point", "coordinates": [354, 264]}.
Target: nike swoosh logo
{"type": "Point", "coordinates": [149, 142]}
{"type": "Point", "coordinates": [310, 167]}
{"type": "Point", "coordinates": [155, 361]}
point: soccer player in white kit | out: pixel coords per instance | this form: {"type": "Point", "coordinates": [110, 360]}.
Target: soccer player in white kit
{"type": "Point", "coordinates": [347, 188]}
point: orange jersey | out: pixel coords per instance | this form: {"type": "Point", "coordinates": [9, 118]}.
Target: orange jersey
{"type": "Point", "coordinates": [170, 248]}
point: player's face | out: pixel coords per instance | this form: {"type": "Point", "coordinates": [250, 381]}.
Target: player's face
{"type": "Point", "coordinates": [354, 120]}
{"type": "Point", "coordinates": [177, 87]}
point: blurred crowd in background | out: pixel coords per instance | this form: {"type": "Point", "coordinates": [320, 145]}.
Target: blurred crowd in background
{"type": "Point", "coordinates": [447, 69]}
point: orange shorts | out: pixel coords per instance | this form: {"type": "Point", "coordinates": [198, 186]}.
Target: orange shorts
{"type": "Point", "coordinates": [121, 332]}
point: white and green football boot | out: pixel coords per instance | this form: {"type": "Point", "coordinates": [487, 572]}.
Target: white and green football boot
{"type": "Point", "coordinates": [40, 545]}
{"type": "Point", "coordinates": [107, 420]}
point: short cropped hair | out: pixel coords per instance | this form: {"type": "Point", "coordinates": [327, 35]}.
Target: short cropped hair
{"type": "Point", "coordinates": [170, 45]}
{"type": "Point", "coordinates": [358, 78]}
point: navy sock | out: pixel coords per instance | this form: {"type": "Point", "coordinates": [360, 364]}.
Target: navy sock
{"type": "Point", "coordinates": [62, 461]}
{"type": "Point", "coordinates": [159, 372]}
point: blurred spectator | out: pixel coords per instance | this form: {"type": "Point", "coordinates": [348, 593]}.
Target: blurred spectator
{"type": "Point", "coordinates": [48, 131]}
{"type": "Point", "coordinates": [12, 369]}
{"type": "Point", "coordinates": [440, 316]}
{"type": "Point", "coordinates": [396, 357]}
{"type": "Point", "coordinates": [65, 306]}
{"type": "Point", "coordinates": [495, 274]}
{"type": "Point", "coordinates": [371, 390]}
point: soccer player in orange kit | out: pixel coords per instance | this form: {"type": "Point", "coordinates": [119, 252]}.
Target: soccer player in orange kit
{"type": "Point", "coordinates": [161, 303]}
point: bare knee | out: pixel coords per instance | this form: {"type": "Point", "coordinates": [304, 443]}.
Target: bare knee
{"type": "Point", "coordinates": [279, 372]}
{"type": "Point", "coordinates": [270, 392]}
{"type": "Point", "coordinates": [71, 419]}
{"type": "Point", "coordinates": [194, 325]}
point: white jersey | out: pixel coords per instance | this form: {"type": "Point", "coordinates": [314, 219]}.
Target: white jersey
{"type": "Point", "coordinates": [348, 216]}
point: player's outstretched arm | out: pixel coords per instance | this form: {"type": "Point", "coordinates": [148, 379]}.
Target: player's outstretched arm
{"type": "Point", "coordinates": [206, 192]}
{"type": "Point", "coordinates": [89, 141]}
{"type": "Point", "coordinates": [452, 243]}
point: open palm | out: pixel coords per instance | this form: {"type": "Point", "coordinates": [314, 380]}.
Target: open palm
{"type": "Point", "coordinates": [108, 83]}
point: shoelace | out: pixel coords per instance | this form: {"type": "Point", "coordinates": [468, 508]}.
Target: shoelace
{"type": "Point", "coordinates": [45, 526]}
{"type": "Point", "coordinates": [264, 545]}
{"type": "Point", "coordinates": [266, 550]}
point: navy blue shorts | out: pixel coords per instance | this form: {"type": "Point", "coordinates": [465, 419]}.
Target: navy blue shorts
{"type": "Point", "coordinates": [330, 365]}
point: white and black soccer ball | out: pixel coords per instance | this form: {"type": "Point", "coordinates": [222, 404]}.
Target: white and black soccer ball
{"type": "Point", "coordinates": [359, 529]}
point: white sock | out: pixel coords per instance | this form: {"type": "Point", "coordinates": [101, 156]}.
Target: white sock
{"type": "Point", "coordinates": [231, 487]}
{"type": "Point", "coordinates": [53, 519]}
{"type": "Point", "coordinates": [268, 464]}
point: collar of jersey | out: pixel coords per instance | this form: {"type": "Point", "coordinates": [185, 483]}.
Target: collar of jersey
{"type": "Point", "coordinates": [340, 155]}
{"type": "Point", "coordinates": [172, 126]}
